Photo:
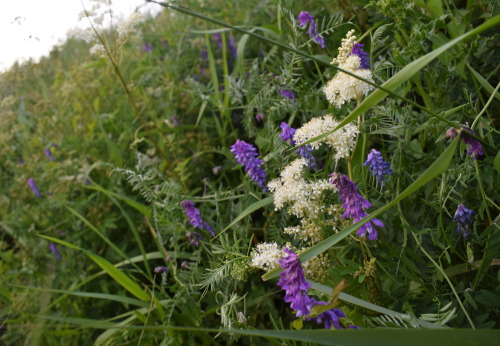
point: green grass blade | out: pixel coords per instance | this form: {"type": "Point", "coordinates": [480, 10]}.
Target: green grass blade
{"type": "Point", "coordinates": [439, 166]}
{"type": "Point", "coordinates": [134, 204]}
{"type": "Point", "coordinates": [484, 83]}
{"type": "Point", "coordinates": [93, 295]}
{"type": "Point", "coordinates": [367, 305]}
{"type": "Point", "coordinates": [119, 277]}
{"type": "Point", "coordinates": [110, 269]}
{"type": "Point", "coordinates": [248, 211]}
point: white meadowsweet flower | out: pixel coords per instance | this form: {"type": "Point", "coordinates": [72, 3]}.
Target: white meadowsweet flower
{"type": "Point", "coordinates": [128, 25]}
{"type": "Point", "coordinates": [307, 231]}
{"type": "Point", "coordinates": [266, 256]}
{"type": "Point", "coordinates": [342, 140]}
{"type": "Point", "coordinates": [343, 87]}
{"type": "Point", "coordinates": [304, 197]}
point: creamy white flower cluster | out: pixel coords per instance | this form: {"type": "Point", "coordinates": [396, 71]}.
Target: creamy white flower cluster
{"type": "Point", "coordinates": [304, 196]}
{"type": "Point", "coordinates": [266, 256]}
{"type": "Point", "coordinates": [342, 140]}
{"type": "Point", "coordinates": [308, 230]}
{"type": "Point", "coordinates": [343, 87]}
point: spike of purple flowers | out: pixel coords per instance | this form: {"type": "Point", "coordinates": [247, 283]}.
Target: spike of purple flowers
{"type": "Point", "coordinates": [194, 238]}
{"type": "Point", "coordinates": [246, 156]}
{"type": "Point", "coordinates": [232, 46]}
{"type": "Point", "coordinates": [357, 49]}
{"type": "Point", "coordinates": [34, 188]}
{"type": "Point", "coordinates": [475, 148]}
{"type": "Point", "coordinates": [304, 18]}
{"type": "Point", "coordinates": [194, 216]}
{"type": "Point", "coordinates": [48, 153]}
{"type": "Point", "coordinates": [354, 204]}
{"type": "Point", "coordinates": [56, 253]}
{"type": "Point", "coordinates": [293, 281]}
{"type": "Point", "coordinates": [218, 39]}
{"type": "Point", "coordinates": [378, 167]}
{"type": "Point", "coordinates": [160, 269]}
{"type": "Point", "coordinates": [463, 218]}
{"type": "Point", "coordinates": [147, 47]}
{"type": "Point", "coordinates": [288, 94]}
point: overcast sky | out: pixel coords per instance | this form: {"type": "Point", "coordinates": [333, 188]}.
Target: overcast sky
{"type": "Point", "coordinates": [29, 28]}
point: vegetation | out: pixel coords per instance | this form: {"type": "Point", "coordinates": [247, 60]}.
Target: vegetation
{"type": "Point", "coordinates": [158, 175]}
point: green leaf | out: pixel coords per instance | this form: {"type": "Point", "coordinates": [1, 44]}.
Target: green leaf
{"type": "Point", "coordinates": [298, 324]}
{"type": "Point", "coordinates": [484, 83]}
{"type": "Point", "coordinates": [438, 167]}
{"type": "Point", "coordinates": [134, 204]}
{"type": "Point", "coordinates": [496, 162]}
{"type": "Point", "coordinates": [119, 277]}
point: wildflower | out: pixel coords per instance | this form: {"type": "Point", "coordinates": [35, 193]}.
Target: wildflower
{"type": "Point", "coordinates": [342, 140]}
{"type": "Point", "coordinates": [246, 154]}
{"type": "Point", "coordinates": [159, 270]}
{"type": "Point", "coordinates": [357, 49]}
{"type": "Point", "coordinates": [232, 46]}
{"type": "Point", "coordinates": [266, 256]}
{"type": "Point", "coordinates": [21, 160]}
{"type": "Point", "coordinates": [259, 117]}
{"type": "Point", "coordinates": [292, 280]}
{"type": "Point", "coordinates": [34, 188]}
{"type": "Point", "coordinates": [216, 170]}
{"type": "Point", "coordinates": [194, 238]}
{"type": "Point", "coordinates": [343, 87]}
{"type": "Point", "coordinates": [56, 253]}
{"type": "Point", "coordinates": [194, 216]}
{"type": "Point", "coordinates": [147, 47]}
{"type": "Point", "coordinates": [288, 94]}
{"type": "Point", "coordinates": [354, 204]}
{"type": "Point", "coordinates": [305, 18]}
{"type": "Point", "coordinates": [475, 148]}
{"type": "Point", "coordinates": [378, 166]}
{"type": "Point", "coordinates": [218, 39]}
{"type": "Point", "coordinates": [304, 196]}
{"type": "Point", "coordinates": [287, 133]}
{"type": "Point", "coordinates": [164, 42]}
{"type": "Point", "coordinates": [204, 54]}
{"type": "Point", "coordinates": [463, 218]}
{"type": "Point", "coordinates": [48, 153]}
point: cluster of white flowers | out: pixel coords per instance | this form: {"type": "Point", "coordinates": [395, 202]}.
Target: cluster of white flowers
{"type": "Point", "coordinates": [266, 256]}
{"type": "Point", "coordinates": [97, 49]}
{"type": "Point", "coordinates": [342, 140]}
{"type": "Point", "coordinates": [304, 196]}
{"type": "Point", "coordinates": [343, 87]}
{"type": "Point", "coordinates": [128, 26]}
{"type": "Point", "coordinates": [86, 35]}
{"type": "Point", "coordinates": [307, 231]}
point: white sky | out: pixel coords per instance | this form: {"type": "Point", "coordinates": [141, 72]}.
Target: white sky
{"type": "Point", "coordinates": [30, 28]}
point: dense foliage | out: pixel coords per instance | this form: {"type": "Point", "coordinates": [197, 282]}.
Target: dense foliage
{"type": "Point", "coordinates": [158, 174]}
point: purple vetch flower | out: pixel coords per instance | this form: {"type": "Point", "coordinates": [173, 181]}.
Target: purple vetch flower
{"type": "Point", "coordinates": [232, 46]}
{"type": "Point", "coordinates": [475, 148]}
{"type": "Point", "coordinates": [194, 217]}
{"type": "Point", "coordinates": [218, 39]}
{"type": "Point", "coordinates": [463, 218]}
{"type": "Point", "coordinates": [246, 154]}
{"type": "Point", "coordinates": [354, 204]}
{"type": "Point", "coordinates": [194, 238]}
{"type": "Point", "coordinates": [204, 54]}
{"type": "Point", "coordinates": [165, 43]}
{"type": "Point", "coordinates": [21, 160]}
{"type": "Point", "coordinates": [48, 153]}
{"type": "Point", "coordinates": [147, 47]}
{"type": "Point", "coordinates": [357, 49]}
{"type": "Point", "coordinates": [378, 167]}
{"type": "Point", "coordinates": [259, 117]}
{"type": "Point", "coordinates": [56, 253]}
{"type": "Point", "coordinates": [160, 269]}
{"type": "Point", "coordinates": [304, 18]}
{"type": "Point", "coordinates": [287, 133]}
{"type": "Point", "coordinates": [293, 281]}
{"type": "Point", "coordinates": [34, 188]}
{"type": "Point", "coordinates": [288, 94]}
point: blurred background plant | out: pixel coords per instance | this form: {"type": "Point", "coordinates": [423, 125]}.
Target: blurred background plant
{"type": "Point", "coordinates": [103, 139]}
